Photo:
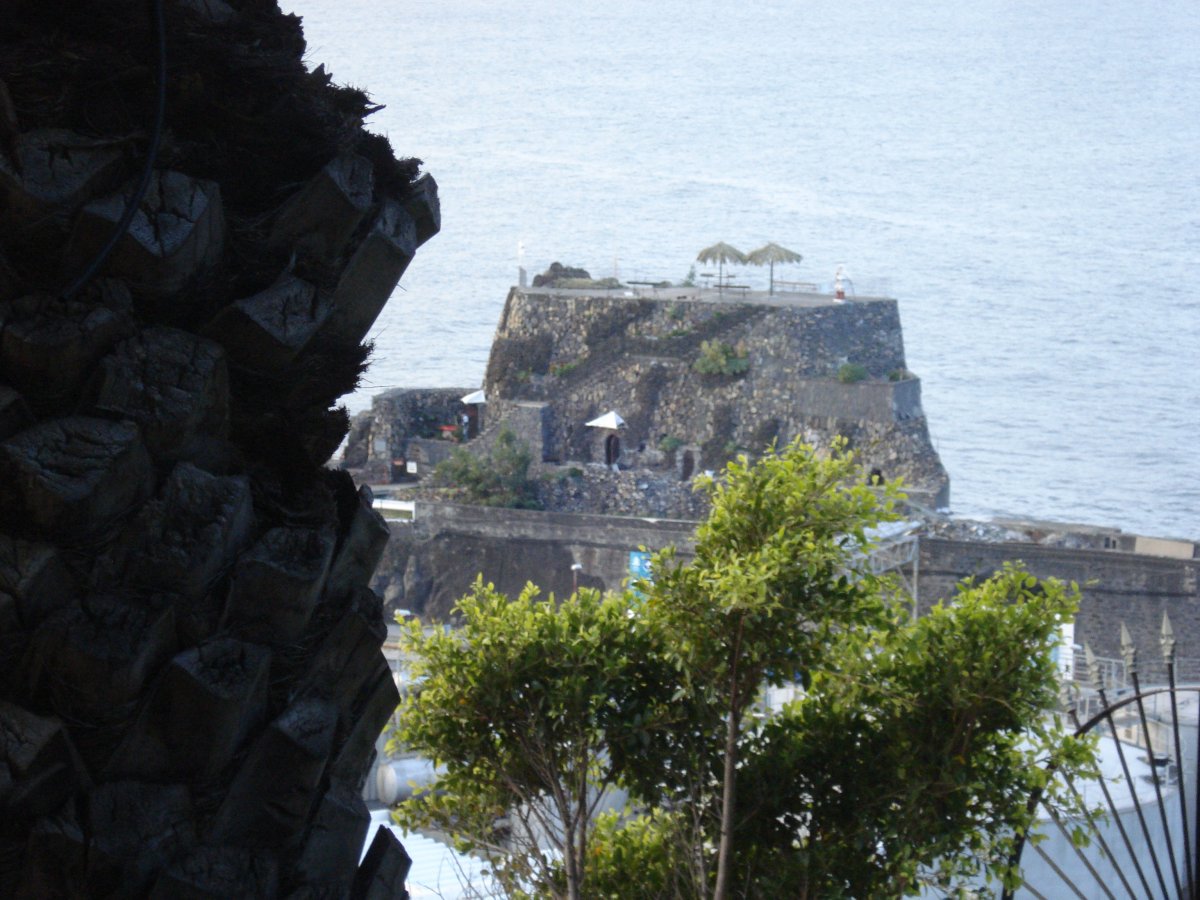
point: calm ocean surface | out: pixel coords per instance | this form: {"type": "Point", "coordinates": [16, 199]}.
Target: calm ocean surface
{"type": "Point", "coordinates": [1023, 176]}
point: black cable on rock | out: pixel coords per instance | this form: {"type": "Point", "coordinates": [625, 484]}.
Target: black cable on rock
{"type": "Point", "coordinates": [135, 201]}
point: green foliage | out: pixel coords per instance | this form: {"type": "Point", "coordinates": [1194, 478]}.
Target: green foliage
{"type": "Point", "coordinates": [718, 358]}
{"type": "Point", "coordinates": [899, 375]}
{"type": "Point", "coordinates": [675, 311]}
{"type": "Point", "coordinates": [911, 756]}
{"type": "Point", "coordinates": [642, 857]}
{"type": "Point", "coordinates": [907, 762]}
{"type": "Point", "coordinates": [850, 373]}
{"type": "Point", "coordinates": [501, 478]}
{"type": "Point", "coordinates": [669, 444]}
{"type": "Point", "coordinates": [530, 708]}
{"type": "Point", "coordinates": [924, 742]}
{"type": "Point", "coordinates": [690, 280]}
{"type": "Point", "coordinates": [563, 369]}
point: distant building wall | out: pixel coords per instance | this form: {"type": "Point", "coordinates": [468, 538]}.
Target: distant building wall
{"type": "Point", "coordinates": [433, 561]}
{"type": "Point", "coordinates": [381, 435]}
{"type": "Point", "coordinates": [1117, 587]}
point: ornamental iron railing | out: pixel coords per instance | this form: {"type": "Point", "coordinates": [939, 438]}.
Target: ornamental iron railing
{"type": "Point", "coordinates": [1141, 811]}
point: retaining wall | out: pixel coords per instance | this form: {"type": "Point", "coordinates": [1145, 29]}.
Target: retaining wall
{"type": "Point", "coordinates": [1117, 587]}
{"type": "Point", "coordinates": [433, 561]}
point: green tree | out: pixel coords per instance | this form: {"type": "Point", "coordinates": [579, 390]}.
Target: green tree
{"type": "Point", "coordinates": [769, 586]}
{"type": "Point", "coordinates": [911, 757]}
{"type": "Point", "coordinates": [497, 478]}
{"type": "Point", "coordinates": [531, 708]}
{"type": "Point", "coordinates": [907, 761]}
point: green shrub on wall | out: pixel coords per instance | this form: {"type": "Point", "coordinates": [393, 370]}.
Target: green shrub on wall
{"type": "Point", "coordinates": [670, 444]}
{"type": "Point", "coordinates": [499, 479]}
{"type": "Point", "coordinates": [718, 358]}
{"type": "Point", "coordinates": [849, 373]}
{"type": "Point", "coordinates": [563, 369]}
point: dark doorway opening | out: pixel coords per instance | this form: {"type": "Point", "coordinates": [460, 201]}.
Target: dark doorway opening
{"type": "Point", "coordinates": [689, 465]}
{"type": "Point", "coordinates": [612, 450]}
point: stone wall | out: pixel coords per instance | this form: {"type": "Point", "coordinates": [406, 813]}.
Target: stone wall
{"type": "Point", "coordinates": [596, 488]}
{"type": "Point", "coordinates": [382, 434]}
{"type": "Point", "coordinates": [1117, 587]}
{"type": "Point", "coordinates": [542, 330]}
{"type": "Point", "coordinates": [432, 561]}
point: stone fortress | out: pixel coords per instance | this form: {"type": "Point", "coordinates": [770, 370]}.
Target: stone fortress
{"type": "Point", "coordinates": [802, 365]}
{"type": "Point", "coordinates": [698, 377]}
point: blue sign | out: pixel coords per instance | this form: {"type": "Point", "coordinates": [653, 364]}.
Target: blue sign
{"type": "Point", "coordinates": [639, 565]}
{"type": "Point", "coordinates": [639, 570]}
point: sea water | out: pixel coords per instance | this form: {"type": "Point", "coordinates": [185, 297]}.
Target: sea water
{"type": "Point", "coordinates": [1023, 176]}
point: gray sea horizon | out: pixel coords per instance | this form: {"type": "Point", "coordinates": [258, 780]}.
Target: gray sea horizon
{"type": "Point", "coordinates": [1022, 177]}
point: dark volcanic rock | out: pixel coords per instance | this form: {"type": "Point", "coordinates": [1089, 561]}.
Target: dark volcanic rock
{"type": "Point", "coordinates": [556, 273]}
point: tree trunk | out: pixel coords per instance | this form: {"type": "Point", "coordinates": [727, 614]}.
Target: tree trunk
{"type": "Point", "coordinates": [191, 682]}
{"type": "Point", "coordinates": [728, 799]}
{"type": "Point", "coordinates": [729, 777]}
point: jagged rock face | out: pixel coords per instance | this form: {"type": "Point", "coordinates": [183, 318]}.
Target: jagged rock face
{"type": "Point", "coordinates": [558, 273]}
{"type": "Point", "coordinates": [190, 675]}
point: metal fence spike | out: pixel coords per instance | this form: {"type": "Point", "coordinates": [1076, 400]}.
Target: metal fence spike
{"type": "Point", "coordinates": [1093, 667]}
{"type": "Point", "coordinates": [1128, 651]}
{"type": "Point", "coordinates": [1167, 640]}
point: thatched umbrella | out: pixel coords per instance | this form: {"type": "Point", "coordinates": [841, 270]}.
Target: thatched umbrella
{"type": "Point", "coordinates": [771, 254]}
{"type": "Point", "coordinates": [720, 254]}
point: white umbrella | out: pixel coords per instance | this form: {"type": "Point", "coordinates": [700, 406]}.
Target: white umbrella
{"type": "Point", "coordinates": [609, 420]}
{"type": "Point", "coordinates": [474, 397]}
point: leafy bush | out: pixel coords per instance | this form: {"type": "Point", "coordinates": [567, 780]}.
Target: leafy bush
{"type": "Point", "coordinates": [501, 478]}
{"type": "Point", "coordinates": [718, 358]}
{"type": "Point", "coordinates": [850, 373]}
{"type": "Point", "coordinates": [899, 375]}
{"type": "Point", "coordinates": [645, 856]}
{"type": "Point", "coordinates": [669, 444]}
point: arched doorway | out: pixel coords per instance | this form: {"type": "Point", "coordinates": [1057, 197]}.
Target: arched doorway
{"type": "Point", "coordinates": [612, 450]}
{"type": "Point", "coordinates": [689, 465]}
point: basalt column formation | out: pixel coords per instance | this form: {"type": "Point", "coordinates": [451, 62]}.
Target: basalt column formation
{"type": "Point", "coordinates": [196, 233]}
